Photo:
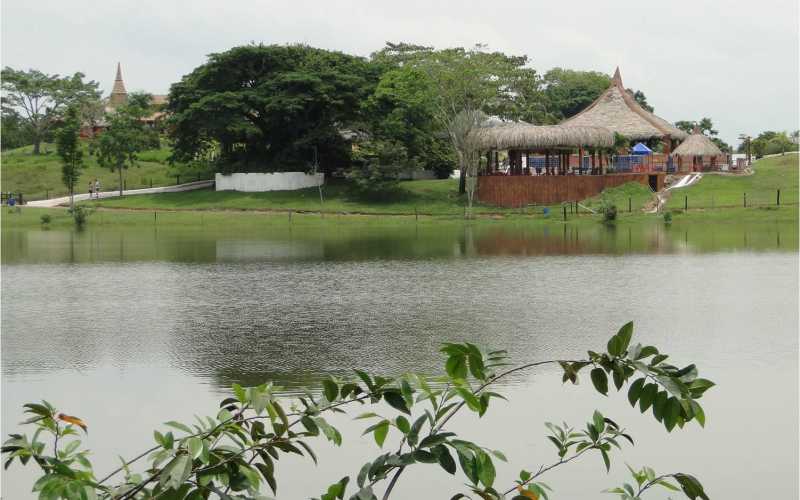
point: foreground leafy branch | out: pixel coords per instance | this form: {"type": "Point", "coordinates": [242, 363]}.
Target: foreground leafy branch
{"type": "Point", "coordinates": [235, 454]}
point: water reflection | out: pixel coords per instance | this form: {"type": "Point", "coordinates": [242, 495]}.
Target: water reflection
{"type": "Point", "coordinates": [348, 243]}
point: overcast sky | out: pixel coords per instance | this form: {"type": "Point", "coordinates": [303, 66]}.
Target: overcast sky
{"type": "Point", "coordinates": [734, 61]}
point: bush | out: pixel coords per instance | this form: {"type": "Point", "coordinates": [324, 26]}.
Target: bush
{"type": "Point", "coordinates": [610, 213]}
{"type": "Point", "coordinates": [45, 218]}
{"type": "Point", "coordinates": [667, 217]}
{"type": "Point", "coordinates": [377, 168]}
{"type": "Point", "coordinates": [80, 215]}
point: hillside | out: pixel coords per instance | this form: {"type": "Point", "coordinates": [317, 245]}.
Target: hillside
{"type": "Point", "coordinates": [36, 177]}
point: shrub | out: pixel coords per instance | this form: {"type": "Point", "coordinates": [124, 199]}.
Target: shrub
{"type": "Point", "coordinates": [80, 215]}
{"type": "Point", "coordinates": [45, 218]}
{"type": "Point", "coordinates": [238, 448]}
{"type": "Point", "coordinates": [667, 217]}
{"type": "Point", "coordinates": [610, 213]}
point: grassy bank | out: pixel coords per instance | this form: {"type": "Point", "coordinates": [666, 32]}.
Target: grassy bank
{"type": "Point", "coordinates": [39, 176]}
{"type": "Point", "coordinates": [761, 188]}
{"type": "Point", "coordinates": [246, 220]}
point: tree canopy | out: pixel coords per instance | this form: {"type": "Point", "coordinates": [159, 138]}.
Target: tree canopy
{"type": "Point", "coordinates": [40, 99]}
{"type": "Point", "coordinates": [260, 107]}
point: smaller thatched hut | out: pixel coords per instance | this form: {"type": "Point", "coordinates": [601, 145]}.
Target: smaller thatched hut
{"type": "Point", "coordinates": [704, 154]}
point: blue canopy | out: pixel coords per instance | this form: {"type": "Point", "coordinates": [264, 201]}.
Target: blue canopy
{"type": "Point", "coordinates": [641, 149]}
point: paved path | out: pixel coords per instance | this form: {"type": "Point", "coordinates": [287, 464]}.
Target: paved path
{"type": "Point", "coordinates": [685, 181]}
{"type": "Point", "coordinates": [54, 202]}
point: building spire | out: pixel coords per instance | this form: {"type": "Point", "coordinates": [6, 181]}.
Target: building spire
{"type": "Point", "coordinates": [119, 95]}
{"type": "Point", "coordinates": [617, 79]}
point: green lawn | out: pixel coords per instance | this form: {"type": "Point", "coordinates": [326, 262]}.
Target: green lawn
{"type": "Point", "coordinates": [638, 194]}
{"type": "Point", "coordinates": [37, 176]}
{"type": "Point", "coordinates": [432, 197]}
{"type": "Point", "coordinates": [771, 174]}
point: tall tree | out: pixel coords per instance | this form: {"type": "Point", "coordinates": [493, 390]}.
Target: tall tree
{"type": "Point", "coordinates": [705, 125]}
{"type": "Point", "coordinates": [69, 148]}
{"type": "Point", "coordinates": [40, 99]}
{"type": "Point", "coordinates": [117, 147]}
{"type": "Point", "coordinates": [14, 130]}
{"type": "Point", "coordinates": [465, 83]}
{"type": "Point", "coordinates": [270, 108]}
{"type": "Point", "coordinates": [567, 92]}
{"type": "Point", "coordinates": [641, 99]}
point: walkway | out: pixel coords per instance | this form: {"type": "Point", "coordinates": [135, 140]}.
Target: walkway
{"type": "Point", "coordinates": [189, 186]}
{"type": "Point", "coordinates": [685, 181]}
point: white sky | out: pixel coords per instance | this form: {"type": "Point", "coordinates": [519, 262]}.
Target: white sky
{"type": "Point", "coordinates": [734, 61]}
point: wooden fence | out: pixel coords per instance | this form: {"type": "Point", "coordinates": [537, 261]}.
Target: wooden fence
{"type": "Point", "coordinates": [518, 191]}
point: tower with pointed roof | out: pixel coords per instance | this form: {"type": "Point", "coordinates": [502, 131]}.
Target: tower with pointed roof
{"type": "Point", "coordinates": [119, 96]}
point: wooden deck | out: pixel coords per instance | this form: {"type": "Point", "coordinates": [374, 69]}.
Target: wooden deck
{"type": "Point", "coordinates": [517, 191]}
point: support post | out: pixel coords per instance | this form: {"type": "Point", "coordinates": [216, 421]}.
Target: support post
{"type": "Point", "coordinates": [744, 198]}
{"type": "Point", "coordinates": [778, 200]}
{"type": "Point", "coordinates": [564, 207]}
{"type": "Point", "coordinates": [686, 202]}
{"type": "Point", "coordinates": [629, 204]}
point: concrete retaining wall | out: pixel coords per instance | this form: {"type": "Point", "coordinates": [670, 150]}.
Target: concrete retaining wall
{"type": "Point", "coordinates": [277, 181]}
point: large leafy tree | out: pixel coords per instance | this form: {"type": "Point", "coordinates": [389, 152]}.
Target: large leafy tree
{"type": "Point", "coordinates": [70, 150]}
{"type": "Point", "coordinates": [463, 84]}
{"type": "Point", "coordinates": [270, 108]}
{"type": "Point", "coordinates": [127, 135]}
{"type": "Point", "coordinates": [40, 99]}
{"type": "Point", "coordinates": [567, 92]}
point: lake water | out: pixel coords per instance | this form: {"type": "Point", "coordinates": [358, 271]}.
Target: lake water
{"type": "Point", "coordinates": [129, 329]}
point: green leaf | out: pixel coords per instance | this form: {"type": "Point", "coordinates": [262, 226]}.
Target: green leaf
{"type": "Point", "coordinates": [380, 432]}
{"type": "Point", "coordinates": [624, 334]}
{"type": "Point", "coordinates": [468, 464]}
{"type": "Point", "coordinates": [635, 391]}
{"type": "Point", "coordinates": [445, 458]}
{"type": "Point", "coordinates": [424, 457]}
{"type": "Point", "coordinates": [660, 404]}
{"type": "Point", "coordinates": [671, 413]}
{"type": "Point", "coordinates": [700, 385]}
{"type": "Point", "coordinates": [486, 471]}
{"type": "Point", "coordinates": [614, 346]}
{"type": "Point", "coordinates": [434, 439]}
{"type": "Point", "coordinates": [413, 435]}
{"type": "Point", "coordinates": [691, 486]}
{"type": "Point", "coordinates": [606, 460]}
{"type": "Point", "coordinates": [597, 419]}
{"type": "Point", "coordinates": [176, 472]}
{"type": "Point", "coordinates": [195, 446]}
{"type": "Point", "coordinates": [647, 351]}
{"type": "Point", "coordinates": [330, 389]}
{"type": "Point", "coordinates": [647, 396]}
{"type": "Point", "coordinates": [240, 393]}
{"type": "Point", "coordinates": [456, 366]}
{"type": "Point", "coordinates": [181, 427]}
{"type": "Point", "coordinates": [402, 424]}
{"type": "Point", "coordinates": [395, 400]}
{"type": "Point", "coordinates": [699, 414]}
{"type": "Point", "coordinates": [600, 380]}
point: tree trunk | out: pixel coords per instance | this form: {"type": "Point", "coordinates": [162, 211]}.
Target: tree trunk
{"type": "Point", "coordinates": [462, 180]}
{"type": "Point", "coordinates": [71, 198]}
{"type": "Point", "coordinates": [37, 143]}
{"type": "Point", "coordinates": [120, 181]}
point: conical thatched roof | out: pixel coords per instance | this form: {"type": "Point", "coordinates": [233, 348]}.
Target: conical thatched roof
{"type": "Point", "coordinates": [119, 85]}
{"type": "Point", "coordinates": [697, 144]}
{"type": "Point", "coordinates": [501, 136]}
{"type": "Point", "coordinates": [619, 112]}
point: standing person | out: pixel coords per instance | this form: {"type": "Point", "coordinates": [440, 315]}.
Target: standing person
{"type": "Point", "coordinates": [97, 188]}
{"type": "Point", "coordinates": [91, 185]}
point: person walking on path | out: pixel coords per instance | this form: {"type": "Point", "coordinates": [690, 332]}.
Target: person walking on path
{"type": "Point", "coordinates": [91, 186]}
{"type": "Point", "coordinates": [97, 188]}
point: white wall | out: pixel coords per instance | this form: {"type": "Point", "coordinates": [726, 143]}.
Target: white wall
{"type": "Point", "coordinates": [278, 181]}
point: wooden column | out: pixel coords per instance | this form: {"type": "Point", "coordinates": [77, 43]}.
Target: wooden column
{"type": "Point", "coordinates": [667, 141]}
{"type": "Point", "coordinates": [547, 162]}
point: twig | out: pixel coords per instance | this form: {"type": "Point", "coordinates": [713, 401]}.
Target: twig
{"type": "Point", "coordinates": [543, 469]}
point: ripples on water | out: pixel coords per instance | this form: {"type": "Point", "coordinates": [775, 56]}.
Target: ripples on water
{"type": "Point", "coordinates": [153, 322]}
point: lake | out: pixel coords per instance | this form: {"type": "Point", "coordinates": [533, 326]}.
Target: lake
{"type": "Point", "coordinates": [129, 328]}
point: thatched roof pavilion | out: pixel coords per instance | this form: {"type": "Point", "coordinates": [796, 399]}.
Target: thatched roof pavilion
{"type": "Point", "coordinates": [523, 136]}
{"type": "Point", "coordinates": [697, 144]}
{"type": "Point", "coordinates": [619, 112]}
